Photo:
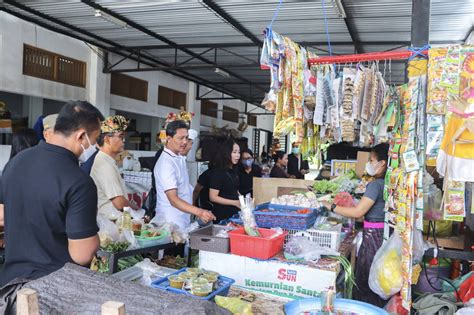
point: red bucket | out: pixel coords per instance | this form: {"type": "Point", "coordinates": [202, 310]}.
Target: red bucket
{"type": "Point", "coordinates": [263, 247]}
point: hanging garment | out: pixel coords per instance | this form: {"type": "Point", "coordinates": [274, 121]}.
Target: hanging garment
{"type": "Point", "coordinates": [456, 155]}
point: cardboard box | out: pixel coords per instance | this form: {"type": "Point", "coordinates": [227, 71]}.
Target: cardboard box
{"type": "Point", "coordinates": [341, 167]}
{"type": "Point", "coordinates": [271, 276]}
{"type": "Point", "coordinates": [264, 189]}
{"type": "Point", "coordinates": [362, 159]}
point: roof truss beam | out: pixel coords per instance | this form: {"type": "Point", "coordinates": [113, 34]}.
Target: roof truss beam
{"type": "Point", "coordinates": [159, 37]}
{"type": "Point", "coordinates": [229, 19]}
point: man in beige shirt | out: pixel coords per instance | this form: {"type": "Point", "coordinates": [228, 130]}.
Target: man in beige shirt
{"type": "Point", "coordinates": [111, 191]}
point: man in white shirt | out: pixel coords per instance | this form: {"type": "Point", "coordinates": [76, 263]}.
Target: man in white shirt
{"type": "Point", "coordinates": [111, 191]}
{"type": "Point", "coordinates": [174, 192]}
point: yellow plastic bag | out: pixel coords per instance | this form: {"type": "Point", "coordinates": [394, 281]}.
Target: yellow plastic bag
{"type": "Point", "coordinates": [234, 305]}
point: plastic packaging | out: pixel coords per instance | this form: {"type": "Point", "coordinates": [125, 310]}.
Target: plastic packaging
{"type": "Point", "coordinates": [419, 247]}
{"type": "Point", "coordinates": [234, 305]}
{"type": "Point", "coordinates": [394, 306]}
{"type": "Point", "coordinates": [108, 231]}
{"type": "Point", "coordinates": [302, 248]}
{"type": "Point", "coordinates": [247, 216]}
{"type": "Point", "coordinates": [385, 277]}
{"type": "Point", "coordinates": [150, 271]}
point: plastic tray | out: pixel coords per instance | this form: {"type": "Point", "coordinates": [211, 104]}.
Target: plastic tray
{"type": "Point", "coordinates": [312, 305]}
{"type": "Point", "coordinates": [223, 286]}
{"type": "Point", "coordinates": [205, 239]}
{"type": "Point", "coordinates": [164, 238]}
{"type": "Point", "coordinates": [256, 247]}
{"type": "Point", "coordinates": [284, 217]}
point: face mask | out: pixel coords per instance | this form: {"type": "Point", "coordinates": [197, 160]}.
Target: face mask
{"type": "Point", "coordinates": [87, 153]}
{"type": "Point", "coordinates": [295, 150]}
{"type": "Point", "coordinates": [371, 169]}
{"type": "Point", "coordinates": [247, 163]}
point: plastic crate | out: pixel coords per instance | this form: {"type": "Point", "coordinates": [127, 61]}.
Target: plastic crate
{"type": "Point", "coordinates": [205, 239]}
{"type": "Point", "coordinates": [330, 239]}
{"type": "Point", "coordinates": [223, 286]}
{"type": "Point", "coordinates": [256, 247]}
{"type": "Point", "coordinates": [164, 238]}
{"type": "Point", "coordinates": [284, 217]}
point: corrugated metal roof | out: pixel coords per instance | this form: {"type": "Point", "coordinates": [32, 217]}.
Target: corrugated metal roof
{"type": "Point", "coordinates": [378, 24]}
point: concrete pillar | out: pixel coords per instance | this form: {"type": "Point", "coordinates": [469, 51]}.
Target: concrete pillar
{"type": "Point", "coordinates": [194, 106]}
{"type": "Point", "coordinates": [33, 107]}
{"type": "Point", "coordinates": [99, 85]}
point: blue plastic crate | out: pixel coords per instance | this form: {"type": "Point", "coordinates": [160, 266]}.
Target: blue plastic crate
{"type": "Point", "coordinates": [284, 217]}
{"type": "Point", "coordinates": [223, 286]}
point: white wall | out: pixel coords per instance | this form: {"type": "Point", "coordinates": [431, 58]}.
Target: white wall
{"type": "Point", "coordinates": [43, 96]}
{"type": "Point", "coordinates": [14, 33]}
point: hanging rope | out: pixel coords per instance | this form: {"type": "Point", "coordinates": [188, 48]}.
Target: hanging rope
{"type": "Point", "coordinates": [327, 29]}
{"type": "Point", "coordinates": [418, 52]}
{"type": "Point", "coordinates": [269, 28]}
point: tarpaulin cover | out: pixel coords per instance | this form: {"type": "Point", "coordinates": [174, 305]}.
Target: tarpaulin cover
{"type": "Point", "coordinates": [77, 290]}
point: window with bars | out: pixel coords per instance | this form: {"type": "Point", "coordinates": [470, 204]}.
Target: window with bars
{"type": "Point", "coordinates": [48, 65]}
{"type": "Point", "coordinates": [252, 120]}
{"type": "Point", "coordinates": [209, 108]}
{"type": "Point", "coordinates": [171, 98]}
{"type": "Point", "coordinates": [230, 114]}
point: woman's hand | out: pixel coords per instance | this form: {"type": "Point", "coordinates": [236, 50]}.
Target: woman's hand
{"type": "Point", "coordinates": [237, 204]}
{"type": "Point", "coordinates": [326, 205]}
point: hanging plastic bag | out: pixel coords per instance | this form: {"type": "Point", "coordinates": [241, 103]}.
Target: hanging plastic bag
{"type": "Point", "coordinates": [419, 247]}
{"type": "Point", "coordinates": [108, 231]}
{"type": "Point", "coordinates": [385, 277]}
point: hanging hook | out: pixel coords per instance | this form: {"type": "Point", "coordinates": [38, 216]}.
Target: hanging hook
{"type": "Point", "coordinates": [384, 67]}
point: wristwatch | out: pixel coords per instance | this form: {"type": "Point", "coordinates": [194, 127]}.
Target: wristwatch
{"type": "Point", "coordinates": [333, 207]}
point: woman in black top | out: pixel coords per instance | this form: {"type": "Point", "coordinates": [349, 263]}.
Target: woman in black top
{"type": "Point", "coordinates": [224, 183]}
{"type": "Point", "coordinates": [279, 169]}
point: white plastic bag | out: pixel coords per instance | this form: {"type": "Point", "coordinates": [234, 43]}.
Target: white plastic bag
{"type": "Point", "coordinates": [300, 247]}
{"type": "Point", "coordinates": [108, 231]}
{"type": "Point", "coordinates": [385, 277]}
{"type": "Point", "coordinates": [129, 237]}
{"type": "Point", "coordinates": [150, 271]}
{"type": "Point", "coordinates": [419, 247]}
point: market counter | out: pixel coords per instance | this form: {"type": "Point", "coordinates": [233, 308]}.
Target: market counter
{"type": "Point", "coordinates": [279, 276]}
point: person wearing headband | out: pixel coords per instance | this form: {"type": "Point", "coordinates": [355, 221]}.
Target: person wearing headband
{"type": "Point", "coordinates": [111, 191]}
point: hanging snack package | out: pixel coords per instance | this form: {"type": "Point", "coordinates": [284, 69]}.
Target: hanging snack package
{"type": "Point", "coordinates": [359, 87]}
{"type": "Point", "coordinates": [450, 78]}
{"type": "Point", "coordinates": [434, 136]}
{"type": "Point", "coordinates": [437, 94]}
{"type": "Point", "coordinates": [454, 203]}
{"type": "Point", "coordinates": [320, 100]}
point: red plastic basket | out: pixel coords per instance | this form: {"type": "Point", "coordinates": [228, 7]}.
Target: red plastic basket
{"type": "Point", "coordinates": [256, 247]}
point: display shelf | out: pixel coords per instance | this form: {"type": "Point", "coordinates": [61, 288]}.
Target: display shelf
{"type": "Point", "coordinates": [114, 257]}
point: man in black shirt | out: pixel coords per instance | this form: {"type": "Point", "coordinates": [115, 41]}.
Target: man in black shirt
{"type": "Point", "coordinates": [296, 165]}
{"type": "Point", "coordinates": [247, 170]}
{"type": "Point", "coordinates": [50, 204]}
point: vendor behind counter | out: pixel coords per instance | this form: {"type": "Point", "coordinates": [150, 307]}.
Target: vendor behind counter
{"type": "Point", "coordinates": [371, 207]}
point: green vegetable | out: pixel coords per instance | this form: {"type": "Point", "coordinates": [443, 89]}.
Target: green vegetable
{"type": "Point", "coordinates": [325, 186]}
{"type": "Point", "coordinates": [116, 247]}
{"type": "Point", "coordinates": [349, 279]}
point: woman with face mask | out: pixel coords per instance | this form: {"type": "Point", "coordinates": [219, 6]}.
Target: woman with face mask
{"type": "Point", "coordinates": [371, 207]}
{"type": "Point", "coordinates": [247, 171]}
